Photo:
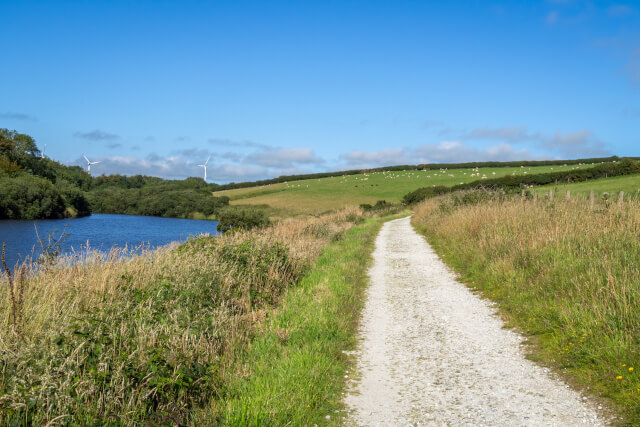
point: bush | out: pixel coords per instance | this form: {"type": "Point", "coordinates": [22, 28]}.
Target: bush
{"type": "Point", "coordinates": [423, 193]}
{"type": "Point", "coordinates": [30, 197]}
{"type": "Point", "coordinates": [233, 217]}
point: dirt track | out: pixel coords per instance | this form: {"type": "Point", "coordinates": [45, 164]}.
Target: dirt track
{"type": "Point", "coordinates": [433, 353]}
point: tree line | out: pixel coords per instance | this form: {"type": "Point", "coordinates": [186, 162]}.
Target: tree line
{"type": "Point", "coordinates": [33, 186]}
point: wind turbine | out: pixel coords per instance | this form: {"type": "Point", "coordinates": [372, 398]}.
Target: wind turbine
{"type": "Point", "coordinates": [205, 168]}
{"type": "Point", "coordinates": [42, 152]}
{"type": "Point", "coordinates": [89, 163]}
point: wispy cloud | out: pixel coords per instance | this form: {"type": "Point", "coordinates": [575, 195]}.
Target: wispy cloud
{"type": "Point", "coordinates": [552, 17]}
{"type": "Point", "coordinates": [509, 133]}
{"type": "Point", "coordinates": [12, 115]}
{"type": "Point", "coordinates": [96, 135]}
{"type": "Point", "coordinates": [443, 152]}
{"type": "Point", "coordinates": [177, 167]}
{"type": "Point", "coordinates": [193, 153]}
{"type": "Point", "coordinates": [284, 157]}
{"type": "Point", "coordinates": [228, 143]}
{"type": "Point", "coordinates": [362, 159]}
{"type": "Point", "coordinates": [114, 145]}
{"type": "Point", "coordinates": [582, 143]}
{"type": "Point", "coordinates": [456, 151]}
{"type": "Point", "coordinates": [182, 138]}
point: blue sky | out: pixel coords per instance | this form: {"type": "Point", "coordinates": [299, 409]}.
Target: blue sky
{"type": "Point", "coordinates": [273, 87]}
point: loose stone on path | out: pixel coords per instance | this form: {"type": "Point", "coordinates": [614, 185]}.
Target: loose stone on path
{"type": "Point", "coordinates": [433, 353]}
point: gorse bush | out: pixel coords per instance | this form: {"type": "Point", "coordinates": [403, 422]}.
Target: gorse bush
{"type": "Point", "coordinates": [149, 338]}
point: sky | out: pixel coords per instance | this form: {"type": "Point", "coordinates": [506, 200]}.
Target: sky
{"type": "Point", "coordinates": [268, 88]}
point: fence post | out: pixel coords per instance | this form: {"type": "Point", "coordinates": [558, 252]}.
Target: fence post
{"type": "Point", "coordinates": [592, 199]}
{"type": "Point", "coordinates": [568, 194]}
{"type": "Point", "coordinates": [551, 195]}
{"type": "Point", "coordinates": [621, 198]}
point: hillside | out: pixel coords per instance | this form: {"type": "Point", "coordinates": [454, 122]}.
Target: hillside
{"type": "Point", "coordinates": [630, 184]}
{"type": "Point", "coordinates": [314, 196]}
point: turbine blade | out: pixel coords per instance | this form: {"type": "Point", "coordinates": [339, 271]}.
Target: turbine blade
{"type": "Point", "coordinates": [85, 157]}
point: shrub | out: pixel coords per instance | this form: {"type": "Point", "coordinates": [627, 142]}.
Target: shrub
{"type": "Point", "coordinates": [423, 193]}
{"type": "Point", "coordinates": [235, 218]}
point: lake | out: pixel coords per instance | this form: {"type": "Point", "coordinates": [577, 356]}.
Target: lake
{"type": "Point", "coordinates": [102, 231]}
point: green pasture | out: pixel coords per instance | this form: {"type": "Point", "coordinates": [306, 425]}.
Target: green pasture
{"type": "Point", "coordinates": [315, 196]}
{"type": "Point", "coordinates": [630, 184]}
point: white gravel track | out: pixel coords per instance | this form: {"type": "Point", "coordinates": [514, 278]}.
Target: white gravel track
{"type": "Point", "coordinates": [433, 353]}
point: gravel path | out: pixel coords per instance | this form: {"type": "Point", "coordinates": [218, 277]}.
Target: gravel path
{"type": "Point", "coordinates": [433, 353]}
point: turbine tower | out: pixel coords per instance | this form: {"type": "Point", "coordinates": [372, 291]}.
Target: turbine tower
{"type": "Point", "coordinates": [205, 168]}
{"type": "Point", "coordinates": [89, 163]}
{"type": "Point", "coordinates": [42, 156]}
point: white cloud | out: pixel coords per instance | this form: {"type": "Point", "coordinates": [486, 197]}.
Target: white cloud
{"type": "Point", "coordinates": [552, 17]}
{"type": "Point", "coordinates": [12, 115]}
{"type": "Point", "coordinates": [96, 135]}
{"type": "Point", "coordinates": [443, 152]}
{"type": "Point", "coordinates": [361, 159]}
{"type": "Point", "coordinates": [283, 157]}
{"type": "Point", "coordinates": [456, 152]}
{"type": "Point", "coordinates": [509, 133]}
{"type": "Point", "coordinates": [582, 143]}
{"type": "Point", "coordinates": [223, 167]}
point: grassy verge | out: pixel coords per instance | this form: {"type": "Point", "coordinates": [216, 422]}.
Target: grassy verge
{"type": "Point", "coordinates": [127, 340]}
{"type": "Point", "coordinates": [564, 273]}
{"type": "Point", "coordinates": [292, 371]}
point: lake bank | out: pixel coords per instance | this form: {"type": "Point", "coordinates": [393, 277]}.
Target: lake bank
{"type": "Point", "coordinates": [150, 337]}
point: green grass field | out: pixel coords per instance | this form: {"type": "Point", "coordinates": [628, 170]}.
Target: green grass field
{"type": "Point", "coordinates": [315, 196]}
{"type": "Point", "coordinates": [630, 184]}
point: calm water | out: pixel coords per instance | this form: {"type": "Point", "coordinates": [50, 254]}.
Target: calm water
{"type": "Point", "coordinates": [103, 231]}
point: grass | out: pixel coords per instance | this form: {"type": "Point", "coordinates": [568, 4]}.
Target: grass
{"type": "Point", "coordinates": [292, 371]}
{"type": "Point", "coordinates": [315, 196]}
{"type": "Point", "coordinates": [157, 337]}
{"type": "Point", "coordinates": [630, 184]}
{"type": "Point", "coordinates": [565, 274]}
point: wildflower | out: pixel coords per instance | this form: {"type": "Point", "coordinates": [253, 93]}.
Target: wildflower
{"type": "Point", "coordinates": [630, 368]}
{"type": "Point", "coordinates": [624, 364]}
{"type": "Point", "coordinates": [619, 377]}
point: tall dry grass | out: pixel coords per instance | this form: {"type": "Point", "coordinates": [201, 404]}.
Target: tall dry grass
{"type": "Point", "coordinates": [122, 339]}
{"type": "Point", "coordinates": [562, 270]}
